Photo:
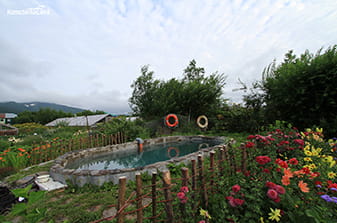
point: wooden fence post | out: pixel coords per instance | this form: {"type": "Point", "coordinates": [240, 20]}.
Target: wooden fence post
{"type": "Point", "coordinates": [139, 198]}
{"type": "Point", "coordinates": [211, 168]}
{"type": "Point", "coordinates": [243, 158]}
{"type": "Point", "coordinates": [184, 172]}
{"type": "Point", "coordinates": [168, 196]}
{"type": "Point", "coordinates": [202, 182]}
{"type": "Point", "coordinates": [154, 196]}
{"type": "Point", "coordinates": [121, 199]}
{"type": "Point", "coordinates": [194, 175]}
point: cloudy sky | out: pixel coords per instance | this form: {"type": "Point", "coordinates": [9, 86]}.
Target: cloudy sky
{"type": "Point", "coordinates": [87, 53]}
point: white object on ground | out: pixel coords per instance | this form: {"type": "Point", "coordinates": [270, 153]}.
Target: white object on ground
{"type": "Point", "coordinates": [48, 184]}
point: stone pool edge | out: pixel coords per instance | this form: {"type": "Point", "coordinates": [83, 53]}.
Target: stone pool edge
{"type": "Point", "coordinates": [98, 177]}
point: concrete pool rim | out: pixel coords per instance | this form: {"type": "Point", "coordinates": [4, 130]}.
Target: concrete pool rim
{"type": "Point", "coordinates": [60, 173]}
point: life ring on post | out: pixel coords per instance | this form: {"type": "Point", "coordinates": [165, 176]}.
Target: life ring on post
{"type": "Point", "coordinates": [168, 123]}
{"type": "Point", "coordinates": [202, 117]}
{"type": "Point", "coordinates": [169, 152]}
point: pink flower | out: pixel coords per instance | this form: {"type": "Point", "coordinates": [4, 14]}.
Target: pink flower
{"type": "Point", "coordinates": [272, 194]}
{"type": "Point", "coordinates": [184, 189]}
{"type": "Point", "coordinates": [236, 188]}
{"type": "Point", "coordinates": [202, 221]}
{"type": "Point", "coordinates": [279, 189]}
{"type": "Point", "coordinates": [278, 199]}
{"type": "Point", "coordinates": [181, 195]}
{"type": "Point", "coordinates": [232, 203]}
{"type": "Point", "coordinates": [183, 201]}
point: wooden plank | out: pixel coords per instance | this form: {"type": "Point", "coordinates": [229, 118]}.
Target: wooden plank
{"type": "Point", "coordinates": [139, 198]}
{"type": "Point", "coordinates": [168, 196]}
{"type": "Point", "coordinates": [121, 199]}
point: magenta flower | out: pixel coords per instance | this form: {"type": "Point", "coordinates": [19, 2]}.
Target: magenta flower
{"type": "Point", "coordinates": [236, 188]}
{"type": "Point", "coordinates": [272, 194]}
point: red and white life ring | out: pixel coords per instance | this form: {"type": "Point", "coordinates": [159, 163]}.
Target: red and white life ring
{"type": "Point", "coordinates": [168, 123]}
{"type": "Point", "coordinates": [169, 152]}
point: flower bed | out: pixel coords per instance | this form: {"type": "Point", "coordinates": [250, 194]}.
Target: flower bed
{"type": "Point", "coordinates": [290, 178]}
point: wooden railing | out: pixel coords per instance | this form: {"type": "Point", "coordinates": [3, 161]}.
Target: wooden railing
{"type": "Point", "coordinates": [57, 147]}
{"type": "Point", "coordinates": [158, 199]}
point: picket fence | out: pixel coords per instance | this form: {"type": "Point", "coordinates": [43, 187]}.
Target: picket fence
{"type": "Point", "coordinates": [51, 150]}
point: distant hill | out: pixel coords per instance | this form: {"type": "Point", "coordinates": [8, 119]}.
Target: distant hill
{"type": "Point", "coordinates": [14, 107]}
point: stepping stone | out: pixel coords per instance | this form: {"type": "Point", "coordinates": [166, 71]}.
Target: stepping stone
{"type": "Point", "coordinates": [26, 180]}
{"type": "Point", "coordinates": [109, 212]}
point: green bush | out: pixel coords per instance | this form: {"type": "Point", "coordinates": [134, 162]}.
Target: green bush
{"type": "Point", "coordinates": [302, 90]}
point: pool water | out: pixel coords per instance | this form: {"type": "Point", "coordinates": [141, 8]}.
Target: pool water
{"type": "Point", "coordinates": [151, 154]}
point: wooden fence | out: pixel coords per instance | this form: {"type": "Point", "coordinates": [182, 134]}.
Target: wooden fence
{"type": "Point", "coordinates": [57, 147]}
{"type": "Point", "coordinates": [157, 201]}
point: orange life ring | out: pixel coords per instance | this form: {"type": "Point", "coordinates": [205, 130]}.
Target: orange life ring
{"type": "Point", "coordinates": [169, 152]}
{"type": "Point", "coordinates": [167, 120]}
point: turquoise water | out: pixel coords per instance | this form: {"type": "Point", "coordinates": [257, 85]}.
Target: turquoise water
{"type": "Point", "coordinates": [151, 154]}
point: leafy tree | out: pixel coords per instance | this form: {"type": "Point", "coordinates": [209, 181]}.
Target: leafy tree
{"type": "Point", "coordinates": [43, 116]}
{"type": "Point", "coordinates": [193, 95]}
{"type": "Point", "coordinates": [301, 90]}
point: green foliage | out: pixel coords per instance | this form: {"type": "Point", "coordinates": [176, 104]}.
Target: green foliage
{"type": "Point", "coordinates": [88, 112]}
{"type": "Point", "coordinates": [191, 96]}
{"type": "Point", "coordinates": [237, 118]}
{"type": "Point", "coordinates": [25, 210]}
{"type": "Point", "coordinates": [30, 128]}
{"type": "Point", "coordinates": [43, 116]}
{"type": "Point", "coordinates": [302, 90]}
{"type": "Point", "coordinates": [132, 129]}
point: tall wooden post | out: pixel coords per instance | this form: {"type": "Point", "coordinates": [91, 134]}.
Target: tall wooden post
{"type": "Point", "coordinates": [139, 197]}
{"type": "Point", "coordinates": [121, 199]}
{"type": "Point", "coordinates": [202, 182]}
{"type": "Point", "coordinates": [168, 196]}
{"type": "Point", "coordinates": [194, 175]}
{"type": "Point", "coordinates": [211, 168]}
{"type": "Point", "coordinates": [154, 196]}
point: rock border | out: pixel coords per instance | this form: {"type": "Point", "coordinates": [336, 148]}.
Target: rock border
{"type": "Point", "coordinates": [60, 173]}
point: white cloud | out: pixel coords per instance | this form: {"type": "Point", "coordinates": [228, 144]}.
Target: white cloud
{"type": "Point", "coordinates": [88, 53]}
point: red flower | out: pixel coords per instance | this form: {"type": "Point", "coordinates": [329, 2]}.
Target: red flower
{"type": "Point", "coordinates": [281, 163]}
{"type": "Point", "coordinates": [299, 142]}
{"type": "Point", "coordinates": [305, 170]}
{"type": "Point", "coordinates": [229, 198]}
{"type": "Point", "coordinates": [332, 185]}
{"type": "Point", "coordinates": [251, 137]}
{"type": "Point", "coordinates": [236, 188]}
{"type": "Point", "coordinates": [266, 170]}
{"type": "Point", "coordinates": [238, 201]}
{"type": "Point", "coordinates": [249, 145]}
{"type": "Point", "coordinates": [262, 159]}
{"type": "Point", "coordinates": [278, 199]}
{"type": "Point", "coordinates": [272, 194]}
{"type": "Point", "coordinates": [318, 182]}
{"type": "Point", "coordinates": [270, 184]}
{"type": "Point", "coordinates": [293, 161]}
